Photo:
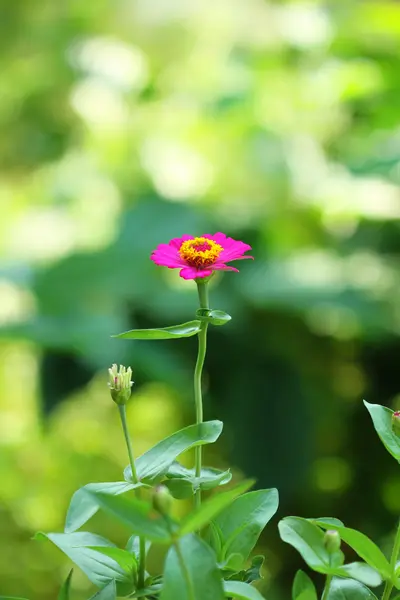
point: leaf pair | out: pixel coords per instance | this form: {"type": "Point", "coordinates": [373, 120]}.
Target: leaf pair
{"type": "Point", "coordinates": [151, 465]}
{"type": "Point", "coordinates": [308, 539]}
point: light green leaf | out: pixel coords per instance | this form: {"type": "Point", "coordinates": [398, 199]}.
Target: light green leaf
{"type": "Point", "coordinates": [211, 507]}
{"type": "Point", "coordinates": [348, 589]}
{"type": "Point", "coordinates": [360, 571]}
{"type": "Point", "coordinates": [156, 461]}
{"type": "Point", "coordinates": [362, 545]}
{"type": "Point", "coordinates": [137, 515]}
{"type": "Point", "coordinates": [179, 488]}
{"type": "Point", "coordinates": [109, 592]}
{"type": "Point", "coordinates": [65, 588]}
{"type": "Point", "coordinates": [214, 317]}
{"type": "Point", "coordinates": [303, 587]}
{"type": "Point", "coordinates": [83, 506]}
{"type": "Point", "coordinates": [149, 591]}
{"type": "Point", "coordinates": [239, 589]}
{"type": "Point", "coordinates": [202, 581]}
{"type": "Point", "coordinates": [166, 333]}
{"type": "Point", "coordinates": [99, 568]}
{"type": "Point", "coordinates": [308, 539]}
{"type": "Point", "coordinates": [242, 522]}
{"type": "Point", "coordinates": [382, 420]}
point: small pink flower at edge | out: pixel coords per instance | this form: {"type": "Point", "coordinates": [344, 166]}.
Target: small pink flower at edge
{"type": "Point", "coordinates": [199, 257]}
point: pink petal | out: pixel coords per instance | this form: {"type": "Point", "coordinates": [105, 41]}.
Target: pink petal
{"type": "Point", "coordinates": [192, 273]}
{"type": "Point", "coordinates": [222, 267]}
{"type": "Point", "coordinates": [177, 242]}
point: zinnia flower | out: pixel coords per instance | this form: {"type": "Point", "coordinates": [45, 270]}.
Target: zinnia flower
{"type": "Point", "coordinates": [199, 257]}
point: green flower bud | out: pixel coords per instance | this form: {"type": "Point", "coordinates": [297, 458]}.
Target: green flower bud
{"type": "Point", "coordinates": [162, 500]}
{"type": "Point", "coordinates": [396, 422]}
{"type": "Point", "coordinates": [332, 541]}
{"type": "Point", "coordinates": [120, 383]}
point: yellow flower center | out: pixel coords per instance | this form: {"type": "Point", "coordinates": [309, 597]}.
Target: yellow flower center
{"type": "Point", "coordinates": [200, 252]}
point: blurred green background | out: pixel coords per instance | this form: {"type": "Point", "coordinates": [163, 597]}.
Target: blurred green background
{"type": "Point", "coordinates": [127, 122]}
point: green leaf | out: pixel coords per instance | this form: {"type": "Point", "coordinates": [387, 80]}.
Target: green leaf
{"type": "Point", "coordinates": [239, 589]}
{"type": "Point", "coordinates": [137, 515]}
{"type": "Point", "coordinates": [308, 539]}
{"type": "Point", "coordinates": [65, 588]}
{"type": "Point", "coordinates": [242, 523]}
{"type": "Point", "coordinates": [209, 478]}
{"type": "Point", "coordinates": [11, 598]}
{"type": "Point", "coordinates": [156, 461]}
{"type": "Point", "coordinates": [214, 317]}
{"type": "Point", "coordinates": [149, 591]}
{"type": "Point", "coordinates": [382, 420]}
{"type": "Point", "coordinates": [133, 546]}
{"type": "Point", "coordinates": [179, 488]}
{"type": "Point", "coordinates": [98, 567]}
{"type": "Point", "coordinates": [303, 587]}
{"type": "Point", "coordinates": [83, 506]}
{"type": "Point", "coordinates": [125, 559]}
{"type": "Point", "coordinates": [348, 589]}
{"type": "Point", "coordinates": [362, 545]}
{"type": "Point", "coordinates": [166, 333]}
{"type": "Point", "coordinates": [253, 573]}
{"type": "Point", "coordinates": [203, 579]}
{"type": "Point", "coordinates": [109, 592]}
{"type": "Point", "coordinates": [211, 507]}
{"type": "Point", "coordinates": [360, 571]}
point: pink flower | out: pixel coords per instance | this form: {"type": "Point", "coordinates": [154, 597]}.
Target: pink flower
{"type": "Point", "coordinates": [199, 257]}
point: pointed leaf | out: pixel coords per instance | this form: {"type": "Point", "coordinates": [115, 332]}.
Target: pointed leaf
{"type": "Point", "coordinates": [363, 546]}
{"type": "Point", "coordinates": [83, 506]}
{"type": "Point", "coordinates": [382, 420]}
{"type": "Point", "coordinates": [360, 571]}
{"type": "Point", "coordinates": [100, 569]}
{"type": "Point", "coordinates": [165, 333]}
{"type": "Point", "coordinates": [109, 592]}
{"type": "Point", "coordinates": [125, 559]}
{"type": "Point", "coordinates": [156, 461]}
{"type": "Point", "coordinates": [303, 587]}
{"type": "Point", "coordinates": [348, 589]}
{"type": "Point", "coordinates": [65, 588]}
{"type": "Point", "coordinates": [212, 316]}
{"type": "Point", "coordinates": [137, 515]}
{"type": "Point", "coordinates": [211, 507]}
{"type": "Point", "coordinates": [209, 477]}
{"type": "Point", "coordinates": [253, 573]}
{"type": "Point", "coordinates": [239, 589]}
{"type": "Point", "coordinates": [149, 591]}
{"type": "Point", "coordinates": [202, 580]}
{"type": "Point", "coordinates": [242, 523]}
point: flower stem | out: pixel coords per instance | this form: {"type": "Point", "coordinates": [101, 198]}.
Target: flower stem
{"type": "Point", "coordinates": [327, 587]}
{"type": "Point", "coordinates": [135, 479]}
{"type": "Point", "coordinates": [395, 554]}
{"type": "Point", "coordinates": [203, 299]}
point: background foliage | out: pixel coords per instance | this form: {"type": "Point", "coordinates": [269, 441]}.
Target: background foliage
{"type": "Point", "coordinates": [125, 123]}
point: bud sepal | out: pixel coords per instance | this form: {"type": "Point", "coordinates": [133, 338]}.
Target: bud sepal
{"type": "Point", "coordinates": [120, 384]}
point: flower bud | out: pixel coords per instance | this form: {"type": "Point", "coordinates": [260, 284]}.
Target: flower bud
{"type": "Point", "coordinates": [332, 541]}
{"type": "Point", "coordinates": [396, 422]}
{"type": "Point", "coordinates": [120, 383]}
{"type": "Point", "coordinates": [162, 500]}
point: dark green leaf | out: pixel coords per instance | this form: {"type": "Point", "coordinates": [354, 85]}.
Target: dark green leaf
{"type": "Point", "coordinates": [362, 545]}
{"type": "Point", "coordinates": [215, 317]}
{"type": "Point", "coordinates": [98, 567]}
{"type": "Point", "coordinates": [83, 506]}
{"type": "Point", "coordinates": [243, 521]}
{"type": "Point", "coordinates": [210, 508]}
{"type": "Point", "coordinates": [253, 573]}
{"type": "Point", "coordinates": [156, 461]}
{"type": "Point", "coordinates": [109, 592]}
{"type": "Point", "coordinates": [166, 333]}
{"type": "Point", "coordinates": [65, 588]}
{"type": "Point", "coordinates": [303, 587]}
{"type": "Point", "coordinates": [137, 515]}
{"type": "Point", "coordinates": [179, 488]}
{"type": "Point", "coordinates": [202, 580]}
{"type": "Point", "coordinates": [382, 420]}
{"type": "Point", "coordinates": [239, 589]}
{"type": "Point", "coordinates": [348, 589]}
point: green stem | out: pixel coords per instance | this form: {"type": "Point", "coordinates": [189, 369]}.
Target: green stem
{"type": "Point", "coordinates": [185, 571]}
{"type": "Point", "coordinates": [203, 299]}
{"type": "Point", "coordinates": [327, 587]}
{"type": "Point", "coordinates": [135, 479]}
{"type": "Point", "coordinates": [395, 555]}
